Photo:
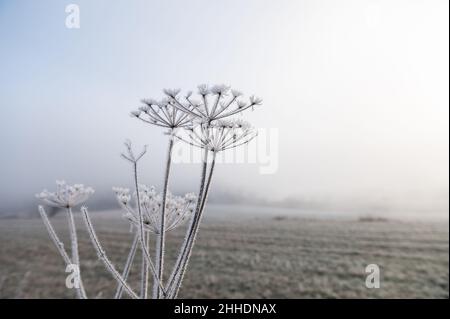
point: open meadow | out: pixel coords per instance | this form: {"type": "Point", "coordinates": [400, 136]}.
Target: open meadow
{"type": "Point", "coordinates": [244, 257]}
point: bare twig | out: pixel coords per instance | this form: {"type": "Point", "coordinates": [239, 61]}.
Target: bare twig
{"type": "Point", "coordinates": [60, 246]}
{"type": "Point", "coordinates": [127, 268]}
{"type": "Point", "coordinates": [102, 255]}
{"type": "Point", "coordinates": [160, 245]}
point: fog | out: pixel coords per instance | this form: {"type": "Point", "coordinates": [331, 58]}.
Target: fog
{"type": "Point", "coordinates": [357, 92]}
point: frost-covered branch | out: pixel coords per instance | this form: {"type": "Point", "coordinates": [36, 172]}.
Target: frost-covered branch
{"type": "Point", "coordinates": [102, 255]}
{"type": "Point", "coordinates": [134, 160]}
{"type": "Point", "coordinates": [160, 243]}
{"type": "Point", "coordinates": [128, 264]}
{"type": "Point", "coordinates": [51, 231]}
{"type": "Point", "coordinates": [66, 197]}
{"type": "Point", "coordinates": [81, 293]}
{"type": "Point", "coordinates": [194, 232]}
{"type": "Point", "coordinates": [75, 253]}
{"type": "Point", "coordinates": [144, 270]}
{"type": "Point", "coordinates": [183, 249]}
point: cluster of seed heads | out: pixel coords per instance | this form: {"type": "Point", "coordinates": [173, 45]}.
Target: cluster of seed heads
{"type": "Point", "coordinates": [178, 208]}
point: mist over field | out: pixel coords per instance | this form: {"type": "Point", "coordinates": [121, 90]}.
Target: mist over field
{"type": "Point", "coordinates": [348, 102]}
{"type": "Point", "coordinates": [358, 93]}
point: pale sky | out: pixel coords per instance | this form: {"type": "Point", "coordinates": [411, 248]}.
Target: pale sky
{"type": "Point", "coordinates": [357, 89]}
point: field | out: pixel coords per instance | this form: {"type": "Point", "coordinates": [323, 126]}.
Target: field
{"type": "Point", "coordinates": [245, 257]}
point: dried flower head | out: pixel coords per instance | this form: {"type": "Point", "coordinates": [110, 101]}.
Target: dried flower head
{"type": "Point", "coordinates": [178, 208]}
{"type": "Point", "coordinates": [163, 113]}
{"type": "Point", "coordinates": [220, 136]}
{"type": "Point", "coordinates": [66, 196]}
{"type": "Point", "coordinates": [215, 103]}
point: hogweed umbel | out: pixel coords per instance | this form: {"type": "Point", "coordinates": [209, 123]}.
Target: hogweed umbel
{"type": "Point", "coordinates": [215, 103]}
{"type": "Point", "coordinates": [178, 208]}
{"type": "Point", "coordinates": [66, 196]}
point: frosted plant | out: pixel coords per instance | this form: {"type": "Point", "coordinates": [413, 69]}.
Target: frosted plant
{"type": "Point", "coordinates": [214, 138]}
{"type": "Point", "coordinates": [214, 103]}
{"type": "Point", "coordinates": [66, 197]}
{"type": "Point", "coordinates": [177, 211]}
{"type": "Point", "coordinates": [201, 123]}
{"type": "Point", "coordinates": [220, 136]}
{"type": "Point", "coordinates": [143, 237]}
{"type": "Point", "coordinates": [165, 115]}
{"type": "Point", "coordinates": [162, 113]}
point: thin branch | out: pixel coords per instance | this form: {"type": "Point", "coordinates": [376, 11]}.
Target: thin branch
{"type": "Point", "coordinates": [51, 231]}
{"type": "Point", "coordinates": [75, 254]}
{"type": "Point", "coordinates": [144, 270]}
{"type": "Point", "coordinates": [183, 250]}
{"type": "Point", "coordinates": [142, 233]}
{"type": "Point", "coordinates": [81, 293]}
{"type": "Point", "coordinates": [102, 255]}
{"type": "Point", "coordinates": [174, 292]}
{"type": "Point", "coordinates": [160, 245]}
{"type": "Point", "coordinates": [127, 268]}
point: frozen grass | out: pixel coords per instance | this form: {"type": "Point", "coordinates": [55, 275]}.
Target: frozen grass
{"type": "Point", "coordinates": [251, 257]}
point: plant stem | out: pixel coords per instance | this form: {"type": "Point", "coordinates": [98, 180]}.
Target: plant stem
{"type": "Point", "coordinates": [160, 242]}
{"type": "Point", "coordinates": [60, 246]}
{"type": "Point", "coordinates": [75, 255]}
{"type": "Point", "coordinates": [190, 247]}
{"type": "Point", "coordinates": [145, 252]}
{"type": "Point", "coordinates": [189, 231]}
{"type": "Point", "coordinates": [51, 231]}
{"type": "Point", "coordinates": [102, 255]}
{"type": "Point", "coordinates": [144, 271]}
{"type": "Point", "coordinates": [127, 268]}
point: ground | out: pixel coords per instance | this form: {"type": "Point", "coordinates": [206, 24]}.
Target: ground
{"type": "Point", "coordinates": [244, 257]}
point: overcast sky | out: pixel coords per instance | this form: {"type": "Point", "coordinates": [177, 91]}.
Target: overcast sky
{"type": "Point", "coordinates": [358, 91]}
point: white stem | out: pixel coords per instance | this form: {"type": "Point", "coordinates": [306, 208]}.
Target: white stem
{"type": "Point", "coordinates": [189, 231]}
{"type": "Point", "coordinates": [190, 247]}
{"type": "Point", "coordinates": [102, 255]}
{"type": "Point", "coordinates": [81, 293]}
{"type": "Point", "coordinates": [142, 233]}
{"type": "Point", "coordinates": [144, 271]}
{"type": "Point", "coordinates": [127, 268]}
{"type": "Point", "coordinates": [75, 254]}
{"type": "Point", "coordinates": [161, 238]}
{"type": "Point", "coordinates": [51, 231]}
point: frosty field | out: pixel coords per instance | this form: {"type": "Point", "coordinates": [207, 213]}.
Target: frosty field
{"type": "Point", "coordinates": [270, 256]}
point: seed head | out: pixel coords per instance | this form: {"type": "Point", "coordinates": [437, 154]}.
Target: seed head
{"type": "Point", "coordinates": [178, 208]}
{"type": "Point", "coordinates": [66, 196]}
